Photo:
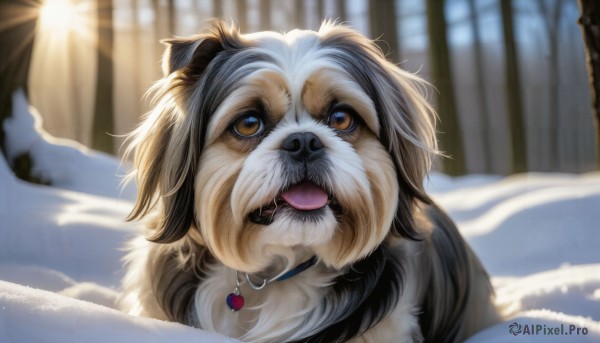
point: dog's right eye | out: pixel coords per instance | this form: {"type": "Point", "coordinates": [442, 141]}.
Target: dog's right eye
{"type": "Point", "coordinates": [248, 126]}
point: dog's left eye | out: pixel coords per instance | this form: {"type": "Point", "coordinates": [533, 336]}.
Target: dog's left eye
{"type": "Point", "coordinates": [342, 121]}
{"type": "Point", "coordinates": [248, 126]}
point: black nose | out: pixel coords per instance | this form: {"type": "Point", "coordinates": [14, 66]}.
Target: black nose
{"type": "Point", "coordinates": [303, 146]}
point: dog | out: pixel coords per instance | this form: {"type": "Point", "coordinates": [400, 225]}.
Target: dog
{"type": "Point", "coordinates": [281, 180]}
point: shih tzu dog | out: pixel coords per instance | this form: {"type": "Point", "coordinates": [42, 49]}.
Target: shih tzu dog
{"type": "Point", "coordinates": [281, 176]}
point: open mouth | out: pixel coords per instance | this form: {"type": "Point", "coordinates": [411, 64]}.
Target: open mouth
{"type": "Point", "coordinates": [306, 199]}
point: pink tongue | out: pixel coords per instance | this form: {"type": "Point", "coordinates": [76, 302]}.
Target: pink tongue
{"type": "Point", "coordinates": [305, 196]}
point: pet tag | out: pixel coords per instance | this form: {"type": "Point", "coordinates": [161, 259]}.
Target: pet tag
{"type": "Point", "coordinates": [235, 301]}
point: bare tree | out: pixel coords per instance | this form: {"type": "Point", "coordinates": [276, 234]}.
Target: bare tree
{"type": "Point", "coordinates": [481, 98]}
{"type": "Point", "coordinates": [137, 46]}
{"type": "Point", "coordinates": [265, 15]}
{"type": "Point", "coordinates": [551, 18]}
{"type": "Point", "coordinates": [103, 124]}
{"type": "Point", "coordinates": [450, 133]}
{"type": "Point", "coordinates": [382, 21]}
{"type": "Point", "coordinates": [217, 8]}
{"type": "Point", "coordinates": [242, 15]}
{"type": "Point", "coordinates": [590, 27]}
{"type": "Point", "coordinates": [320, 12]}
{"type": "Point", "coordinates": [299, 9]}
{"type": "Point", "coordinates": [171, 17]}
{"type": "Point", "coordinates": [16, 43]}
{"type": "Point", "coordinates": [17, 32]}
{"type": "Point", "coordinates": [157, 29]}
{"type": "Point", "coordinates": [341, 8]}
{"type": "Point", "coordinates": [513, 90]}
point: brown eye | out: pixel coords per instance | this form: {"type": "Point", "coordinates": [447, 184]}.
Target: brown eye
{"type": "Point", "coordinates": [248, 126]}
{"type": "Point", "coordinates": [341, 121]}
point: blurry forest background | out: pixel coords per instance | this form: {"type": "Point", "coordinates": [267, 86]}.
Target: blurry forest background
{"type": "Point", "coordinates": [510, 79]}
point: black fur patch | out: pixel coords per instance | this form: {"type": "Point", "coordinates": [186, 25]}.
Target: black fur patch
{"type": "Point", "coordinates": [448, 288]}
{"type": "Point", "coordinates": [178, 285]}
{"type": "Point", "coordinates": [365, 295]}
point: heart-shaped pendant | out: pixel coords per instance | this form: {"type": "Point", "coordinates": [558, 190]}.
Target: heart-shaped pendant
{"type": "Point", "coordinates": [235, 301]}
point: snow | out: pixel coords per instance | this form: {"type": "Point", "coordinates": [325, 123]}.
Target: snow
{"type": "Point", "coordinates": [61, 246]}
{"type": "Point", "coordinates": [64, 163]}
{"type": "Point", "coordinates": [537, 235]}
{"type": "Point", "coordinates": [32, 315]}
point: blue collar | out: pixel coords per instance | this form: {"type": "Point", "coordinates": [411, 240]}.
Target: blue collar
{"type": "Point", "coordinates": [298, 269]}
{"type": "Point", "coordinates": [235, 300]}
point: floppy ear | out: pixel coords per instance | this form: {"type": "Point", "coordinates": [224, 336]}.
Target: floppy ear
{"type": "Point", "coordinates": [408, 132]}
{"type": "Point", "coordinates": [167, 145]}
{"type": "Point", "coordinates": [193, 52]}
{"type": "Point", "coordinates": [407, 121]}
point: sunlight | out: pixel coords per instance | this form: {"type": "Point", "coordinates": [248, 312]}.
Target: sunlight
{"type": "Point", "coordinates": [60, 18]}
{"type": "Point", "coordinates": [63, 59]}
{"type": "Point", "coordinates": [57, 16]}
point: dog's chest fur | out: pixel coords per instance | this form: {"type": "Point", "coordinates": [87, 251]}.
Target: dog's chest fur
{"type": "Point", "coordinates": [291, 310]}
{"type": "Point", "coordinates": [283, 311]}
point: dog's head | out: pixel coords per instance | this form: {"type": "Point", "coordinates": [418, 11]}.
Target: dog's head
{"type": "Point", "coordinates": [265, 143]}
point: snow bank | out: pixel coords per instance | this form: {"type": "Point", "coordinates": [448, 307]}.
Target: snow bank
{"type": "Point", "coordinates": [62, 162]}
{"type": "Point", "coordinates": [80, 235]}
{"type": "Point", "coordinates": [537, 234]}
{"type": "Point", "coordinates": [29, 315]}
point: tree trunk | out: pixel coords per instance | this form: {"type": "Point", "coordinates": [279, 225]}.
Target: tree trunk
{"type": "Point", "coordinates": [265, 15]}
{"type": "Point", "coordinates": [242, 15]}
{"type": "Point", "coordinates": [382, 21]}
{"type": "Point", "coordinates": [516, 118]}
{"type": "Point", "coordinates": [341, 8]}
{"type": "Point", "coordinates": [217, 8]}
{"type": "Point", "coordinates": [590, 27]}
{"type": "Point", "coordinates": [299, 8]}
{"type": "Point", "coordinates": [171, 21]}
{"type": "Point", "coordinates": [137, 70]}
{"type": "Point", "coordinates": [157, 29]}
{"type": "Point", "coordinates": [552, 22]}
{"type": "Point", "coordinates": [450, 133]}
{"type": "Point", "coordinates": [103, 110]}
{"type": "Point", "coordinates": [481, 91]}
{"type": "Point", "coordinates": [320, 13]}
{"type": "Point", "coordinates": [16, 44]}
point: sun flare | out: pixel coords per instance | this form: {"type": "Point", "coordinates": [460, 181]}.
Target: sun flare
{"type": "Point", "coordinates": [57, 16]}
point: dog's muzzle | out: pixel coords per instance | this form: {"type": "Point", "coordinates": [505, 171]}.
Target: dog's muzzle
{"type": "Point", "coordinates": [306, 193]}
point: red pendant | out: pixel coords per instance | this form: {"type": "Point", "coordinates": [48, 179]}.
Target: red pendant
{"type": "Point", "coordinates": [235, 301]}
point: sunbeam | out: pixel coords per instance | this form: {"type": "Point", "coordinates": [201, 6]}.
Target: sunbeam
{"type": "Point", "coordinates": [60, 18]}
{"type": "Point", "coordinates": [56, 15]}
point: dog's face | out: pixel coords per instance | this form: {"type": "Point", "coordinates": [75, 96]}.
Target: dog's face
{"type": "Point", "coordinates": [267, 145]}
